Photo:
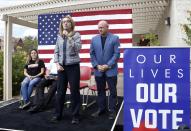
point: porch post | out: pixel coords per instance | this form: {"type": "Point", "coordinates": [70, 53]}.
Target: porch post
{"type": "Point", "coordinates": [7, 76]}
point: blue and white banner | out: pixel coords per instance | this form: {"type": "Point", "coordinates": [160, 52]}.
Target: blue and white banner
{"type": "Point", "coordinates": [156, 88]}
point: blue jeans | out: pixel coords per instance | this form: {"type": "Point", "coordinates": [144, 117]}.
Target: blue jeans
{"type": "Point", "coordinates": [27, 87]}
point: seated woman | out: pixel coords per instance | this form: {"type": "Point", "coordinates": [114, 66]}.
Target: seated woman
{"type": "Point", "coordinates": [40, 100]}
{"type": "Point", "coordinates": [33, 70]}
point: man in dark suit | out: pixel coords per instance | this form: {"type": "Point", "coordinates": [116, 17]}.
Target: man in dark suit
{"type": "Point", "coordinates": [104, 53]}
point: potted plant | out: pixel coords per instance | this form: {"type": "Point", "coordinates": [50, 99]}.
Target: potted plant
{"type": "Point", "coordinates": [153, 38]}
{"type": "Point", "coordinates": [187, 30]}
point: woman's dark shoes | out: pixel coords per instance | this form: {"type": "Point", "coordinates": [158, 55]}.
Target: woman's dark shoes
{"type": "Point", "coordinates": [75, 120]}
{"type": "Point", "coordinates": [55, 119]}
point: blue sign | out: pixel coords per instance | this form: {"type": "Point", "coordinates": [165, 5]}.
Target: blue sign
{"type": "Point", "coordinates": [156, 88]}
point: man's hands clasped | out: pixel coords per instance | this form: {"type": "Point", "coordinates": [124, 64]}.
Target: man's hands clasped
{"type": "Point", "coordinates": [102, 68]}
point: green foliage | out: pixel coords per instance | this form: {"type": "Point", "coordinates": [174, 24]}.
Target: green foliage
{"type": "Point", "coordinates": [29, 43]}
{"type": "Point", "coordinates": [18, 61]}
{"type": "Point", "coordinates": [153, 39]}
{"type": "Point", "coordinates": [187, 30]}
{"type": "Point", "coordinates": [1, 74]}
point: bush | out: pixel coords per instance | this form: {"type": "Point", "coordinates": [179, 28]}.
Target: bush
{"type": "Point", "coordinates": [1, 75]}
{"type": "Point", "coordinates": [153, 39]}
{"type": "Point", "coordinates": [18, 61]}
{"type": "Point", "coordinates": [29, 43]}
{"type": "Point", "coordinates": [187, 30]}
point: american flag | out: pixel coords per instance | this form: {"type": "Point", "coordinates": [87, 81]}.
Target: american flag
{"type": "Point", "coordinates": [120, 23]}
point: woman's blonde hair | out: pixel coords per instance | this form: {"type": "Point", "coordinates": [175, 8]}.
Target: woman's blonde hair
{"type": "Point", "coordinates": [29, 58]}
{"type": "Point", "coordinates": [61, 22]}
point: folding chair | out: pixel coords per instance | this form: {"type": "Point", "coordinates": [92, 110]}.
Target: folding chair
{"type": "Point", "coordinates": [85, 82]}
{"type": "Point", "coordinates": [93, 89]}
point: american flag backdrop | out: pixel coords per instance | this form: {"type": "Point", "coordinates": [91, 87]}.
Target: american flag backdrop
{"type": "Point", "coordinates": [120, 23]}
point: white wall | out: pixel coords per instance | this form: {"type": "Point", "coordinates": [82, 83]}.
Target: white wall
{"type": "Point", "coordinates": [172, 35]}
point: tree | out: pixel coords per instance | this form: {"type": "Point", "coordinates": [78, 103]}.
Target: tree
{"type": "Point", "coordinates": [19, 60]}
{"type": "Point", "coordinates": [1, 75]}
{"type": "Point", "coordinates": [187, 30]}
{"type": "Point", "coordinates": [29, 43]}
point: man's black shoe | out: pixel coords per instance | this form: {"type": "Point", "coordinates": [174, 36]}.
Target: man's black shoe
{"type": "Point", "coordinates": [97, 113]}
{"type": "Point", "coordinates": [43, 107]}
{"type": "Point", "coordinates": [55, 119]}
{"type": "Point", "coordinates": [112, 115]}
{"type": "Point", "coordinates": [75, 120]}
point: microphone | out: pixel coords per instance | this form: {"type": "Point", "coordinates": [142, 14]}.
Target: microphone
{"type": "Point", "coordinates": [64, 37]}
{"type": "Point", "coordinates": [65, 32]}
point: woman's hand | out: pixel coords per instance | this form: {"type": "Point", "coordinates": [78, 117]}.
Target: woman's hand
{"type": "Point", "coordinates": [30, 77]}
{"type": "Point", "coordinates": [59, 67]}
{"type": "Point", "coordinates": [65, 33]}
{"type": "Point", "coordinates": [46, 76]}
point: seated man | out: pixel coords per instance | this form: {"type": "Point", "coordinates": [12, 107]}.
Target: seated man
{"type": "Point", "coordinates": [143, 41]}
{"type": "Point", "coordinates": [40, 102]}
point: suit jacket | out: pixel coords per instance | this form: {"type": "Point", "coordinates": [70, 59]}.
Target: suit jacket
{"type": "Point", "coordinates": [109, 55]}
{"type": "Point", "coordinates": [73, 47]}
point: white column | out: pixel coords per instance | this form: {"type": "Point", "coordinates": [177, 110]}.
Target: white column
{"type": "Point", "coordinates": [4, 61]}
{"type": "Point", "coordinates": [173, 35]}
{"type": "Point", "coordinates": [7, 77]}
{"type": "Point", "coordinates": [8, 48]}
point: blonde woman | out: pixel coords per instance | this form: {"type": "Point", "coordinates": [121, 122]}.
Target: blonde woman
{"type": "Point", "coordinates": [33, 71]}
{"type": "Point", "coordinates": [66, 57]}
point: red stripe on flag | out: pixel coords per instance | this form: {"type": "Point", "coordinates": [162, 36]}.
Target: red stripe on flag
{"type": "Point", "coordinates": [50, 51]}
{"type": "Point", "coordinates": [122, 50]}
{"type": "Point", "coordinates": [120, 70]}
{"type": "Point", "coordinates": [87, 60]}
{"type": "Point", "coordinates": [95, 22]}
{"type": "Point", "coordinates": [121, 41]}
{"type": "Point", "coordinates": [125, 41]}
{"type": "Point", "coordinates": [88, 50]}
{"type": "Point", "coordinates": [86, 41]}
{"type": "Point", "coordinates": [114, 31]}
{"type": "Point", "coordinates": [105, 12]}
{"type": "Point", "coordinates": [85, 51]}
{"type": "Point", "coordinates": [46, 60]}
